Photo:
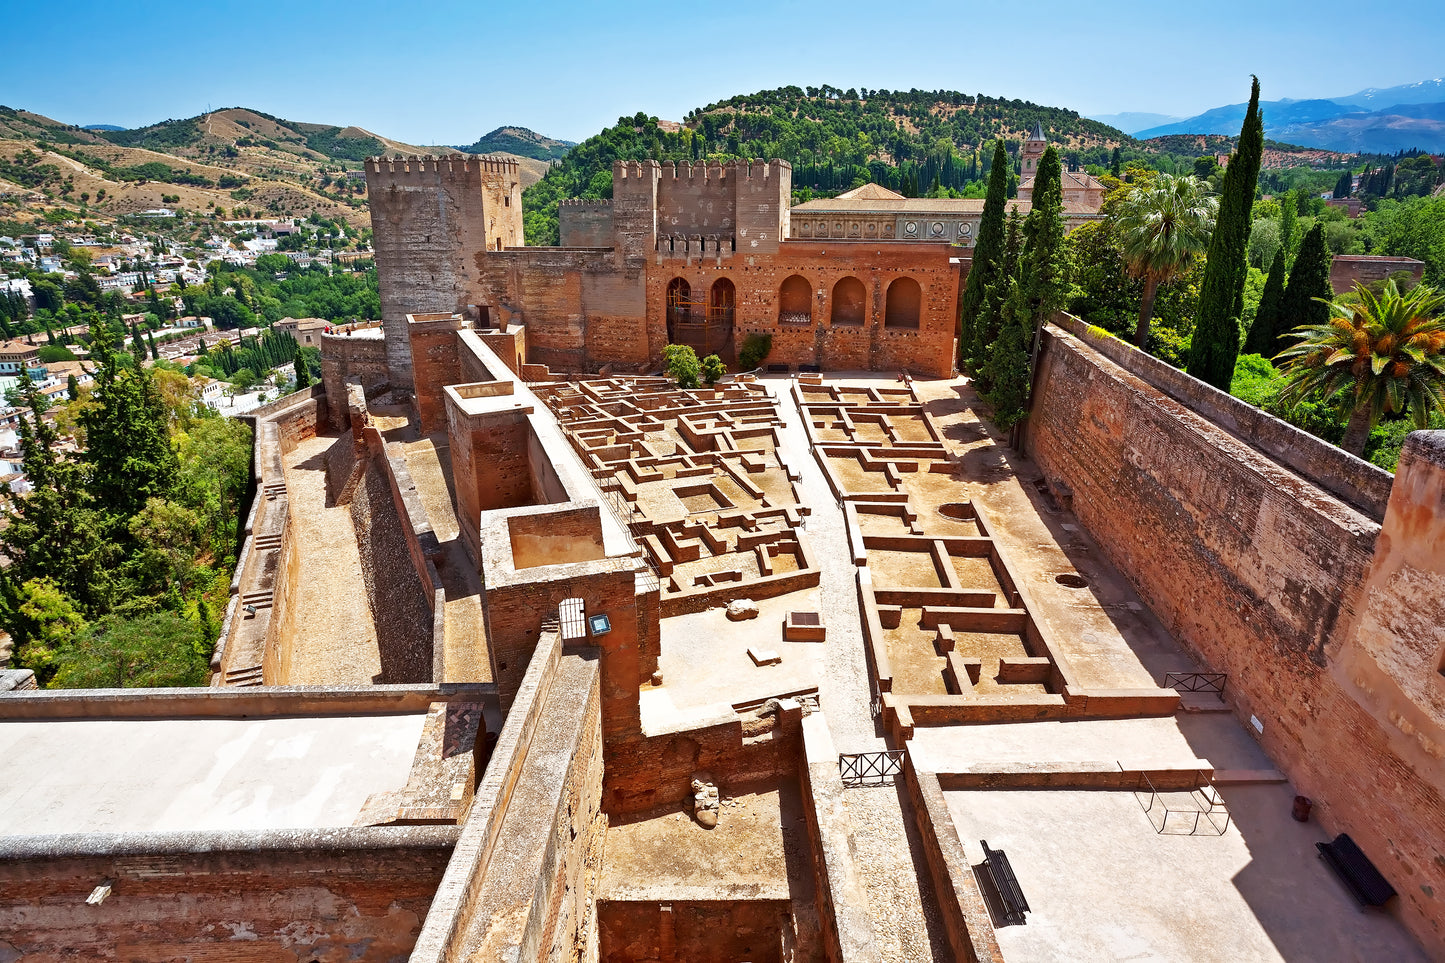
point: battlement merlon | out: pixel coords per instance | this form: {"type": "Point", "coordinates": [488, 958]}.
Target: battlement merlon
{"type": "Point", "coordinates": [586, 202]}
{"type": "Point", "coordinates": [402, 167]}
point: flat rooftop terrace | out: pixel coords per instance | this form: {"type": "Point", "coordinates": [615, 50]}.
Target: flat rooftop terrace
{"type": "Point", "coordinates": [167, 775]}
{"type": "Point", "coordinates": [1103, 885]}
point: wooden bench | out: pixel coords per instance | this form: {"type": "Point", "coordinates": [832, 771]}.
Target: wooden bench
{"type": "Point", "coordinates": [1011, 897]}
{"type": "Point", "coordinates": [1356, 871]}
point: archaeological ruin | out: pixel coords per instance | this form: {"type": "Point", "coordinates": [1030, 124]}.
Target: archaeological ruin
{"type": "Point", "coordinates": [532, 655]}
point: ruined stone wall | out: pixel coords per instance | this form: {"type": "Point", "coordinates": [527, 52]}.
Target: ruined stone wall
{"type": "Point", "coordinates": [430, 215]}
{"type": "Point", "coordinates": [699, 931]}
{"type": "Point", "coordinates": [584, 223]}
{"type": "Point", "coordinates": [1263, 575]}
{"type": "Point", "coordinates": [562, 913]}
{"type": "Point", "coordinates": [1347, 270]}
{"type": "Point", "coordinates": [340, 895]}
{"type": "Point", "coordinates": [354, 358]}
{"type": "Point", "coordinates": [645, 772]}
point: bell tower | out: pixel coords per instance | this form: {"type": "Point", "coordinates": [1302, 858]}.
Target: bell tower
{"type": "Point", "coordinates": [1034, 149]}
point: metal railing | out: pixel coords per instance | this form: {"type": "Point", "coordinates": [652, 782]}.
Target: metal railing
{"type": "Point", "coordinates": [1204, 801]}
{"type": "Point", "coordinates": [859, 768]}
{"type": "Point", "coordinates": [1196, 682]}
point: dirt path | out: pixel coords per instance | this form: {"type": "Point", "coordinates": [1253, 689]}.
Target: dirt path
{"type": "Point", "coordinates": [336, 642]}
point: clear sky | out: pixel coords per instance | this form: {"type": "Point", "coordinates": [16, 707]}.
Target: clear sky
{"type": "Point", "coordinates": [445, 72]}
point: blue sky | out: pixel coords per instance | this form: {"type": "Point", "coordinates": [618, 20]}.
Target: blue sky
{"type": "Point", "coordinates": [446, 72]}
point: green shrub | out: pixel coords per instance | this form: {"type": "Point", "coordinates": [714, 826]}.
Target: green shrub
{"type": "Point", "coordinates": [755, 349]}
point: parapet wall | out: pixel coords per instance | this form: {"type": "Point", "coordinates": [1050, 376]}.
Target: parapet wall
{"type": "Point", "coordinates": [220, 895]}
{"type": "Point", "coordinates": [585, 222]}
{"type": "Point", "coordinates": [353, 358]}
{"type": "Point", "coordinates": [1263, 574]}
{"type": "Point", "coordinates": [1351, 479]}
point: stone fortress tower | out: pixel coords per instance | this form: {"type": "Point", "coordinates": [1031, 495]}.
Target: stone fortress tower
{"type": "Point", "coordinates": [430, 216]}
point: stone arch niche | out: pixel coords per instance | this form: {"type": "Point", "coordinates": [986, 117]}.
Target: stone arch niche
{"type": "Point", "coordinates": [795, 301]}
{"type": "Point", "coordinates": [850, 302]}
{"type": "Point", "coordinates": [679, 296]}
{"type": "Point", "coordinates": [904, 304]}
{"type": "Point", "coordinates": [721, 301]}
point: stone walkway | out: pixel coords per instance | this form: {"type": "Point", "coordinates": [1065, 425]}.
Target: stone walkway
{"type": "Point", "coordinates": [336, 641]}
{"type": "Point", "coordinates": [900, 891]}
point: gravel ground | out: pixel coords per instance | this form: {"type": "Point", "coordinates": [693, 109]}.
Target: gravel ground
{"type": "Point", "coordinates": [905, 911]}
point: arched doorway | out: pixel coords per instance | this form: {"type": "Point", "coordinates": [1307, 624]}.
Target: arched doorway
{"type": "Point", "coordinates": [795, 301]}
{"type": "Point", "coordinates": [720, 302]}
{"type": "Point", "coordinates": [904, 304]}
{"type": "Point", "coordinates": [850, 302]}
{"type": "Point", "coordinates": [679, 297]}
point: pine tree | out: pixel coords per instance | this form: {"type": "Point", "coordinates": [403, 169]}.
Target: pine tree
{"type": "Point", "coordinates": [1308, 280]}
{"type": "Point", "coordinates": [128, 443]}
{"type": "Point", "coordinates": [1265, 329]}
{"type": "Point", "coordinates": [1215, 346]}
{"type": "Point", "coordinates": [987, 250]}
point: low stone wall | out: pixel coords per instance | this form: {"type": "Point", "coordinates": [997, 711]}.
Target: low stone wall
{"type": "Point", "coordinates": [519, 886]}
{"type": "Point", "coordinates": [231, 702]}
{"type": "Point", "coordinates": [361, 893]}
{"type": "Point", "coordinates": [965, 914]}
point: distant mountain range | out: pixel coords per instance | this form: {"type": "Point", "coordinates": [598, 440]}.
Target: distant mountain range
{"type": "Point", "coordinates": [1373, 121]}
{"type": "Point", "coordinates": [1131, 122]}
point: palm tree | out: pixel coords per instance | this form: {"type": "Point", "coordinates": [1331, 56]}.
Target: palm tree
{"type": "Point", "coordinates": [1376, 354]}
{"type": "Point", "coordinates": [1163, 225]}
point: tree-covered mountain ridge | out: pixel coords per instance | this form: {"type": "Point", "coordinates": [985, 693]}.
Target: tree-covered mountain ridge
{"type": "Point", "coordinates": [915, 141]}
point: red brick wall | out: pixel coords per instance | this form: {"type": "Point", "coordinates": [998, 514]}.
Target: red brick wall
{"type": "Point", "coordinates": [345, 359]}
{"type": "Point", "coordinates": [1261, 574]}
{"type": "Point", "coordinates": [248, 906]}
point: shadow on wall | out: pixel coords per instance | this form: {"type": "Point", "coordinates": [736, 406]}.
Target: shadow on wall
{"type": "Point", "coordinates": [399, 608]}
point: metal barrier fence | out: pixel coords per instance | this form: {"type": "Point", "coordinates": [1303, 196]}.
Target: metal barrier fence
{"type": "Point", "coordinates": [1196, 682]}
{"type": "Point", "coordinates": [858, 768]}
{"type": "Point", "coordinates": [1203, 800]}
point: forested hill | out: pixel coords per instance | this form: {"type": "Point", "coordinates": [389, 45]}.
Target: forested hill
{"type": "Point", "coordinates": [520, 141]}
{"type": "Point", "coordinates": [913, 141]}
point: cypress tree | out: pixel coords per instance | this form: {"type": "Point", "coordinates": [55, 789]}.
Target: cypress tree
{"type": "Point", "coordinates": [1116, 163]}
{"type": "Point", "coordinates": [1266, 319]}
{"type": "Point", "coordinates": [128, 442]}
{"type": "Point", "coordinates": [1043, 270]}
{"type": "Point", "coordinates": [988, 249]}
{"type": "Point", "coordinates": [151, 343]}
{"type": "Point", "coordinates": [1215, 347]}
{"type": "Point", "coordinates": [1309, 279]}
{"type": "Point", "coordinates": [303, 373]}
{"type": "Point", "coordinates": [1008, 363]}
{"type": "Point", "coordinates": [1289, 224]}
{"type": "Point", "coordinates": [990, 315]}
{"type": "Point", "coordinates": [72, 386]}
{"type": "Point", "coordinates": [1344, 187]}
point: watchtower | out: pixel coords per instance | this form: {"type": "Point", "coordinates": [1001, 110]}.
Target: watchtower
{"type": "Point", "coordinates": [430, 217]}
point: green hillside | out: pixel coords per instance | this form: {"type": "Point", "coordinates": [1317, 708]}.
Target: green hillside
{"type": "Point", "coordinates": [520, 141]}
{"type": "Point", "coordinates": [913, 141]}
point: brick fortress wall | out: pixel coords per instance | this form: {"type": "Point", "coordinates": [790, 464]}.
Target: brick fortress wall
{"type": "Point", "coordinates": [1263, 574]}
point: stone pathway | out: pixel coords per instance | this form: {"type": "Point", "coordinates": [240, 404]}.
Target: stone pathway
{"type": "Point", "coordinates": [900, 891]}
{"type": "Point", "coordinates": [336, 642]}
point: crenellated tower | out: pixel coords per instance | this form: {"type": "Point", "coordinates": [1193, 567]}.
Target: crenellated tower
{"type": "Point", "coordinates": [430, 216]}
